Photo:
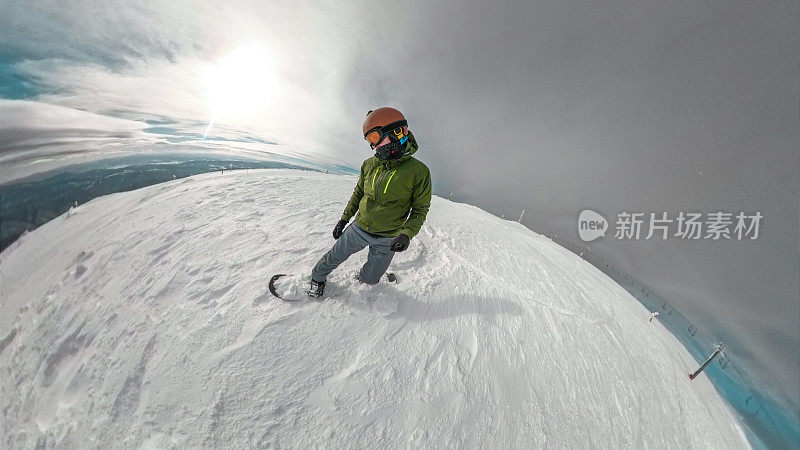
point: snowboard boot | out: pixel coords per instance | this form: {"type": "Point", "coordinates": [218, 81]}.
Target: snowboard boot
{"type": "Point", "coordinates": [316, 289]}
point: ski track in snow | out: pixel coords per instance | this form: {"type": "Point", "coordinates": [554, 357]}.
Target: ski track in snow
{"type": "Point", "coordinates": [143, 319]}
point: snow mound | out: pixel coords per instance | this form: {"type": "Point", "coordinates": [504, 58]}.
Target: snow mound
{"type": "Point", "coordinates": [143, 319]}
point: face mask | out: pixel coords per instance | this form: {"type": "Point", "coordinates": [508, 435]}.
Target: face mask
{"type": "Point", "coordinates": [392, 150]}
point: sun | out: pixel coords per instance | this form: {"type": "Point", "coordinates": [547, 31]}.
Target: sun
{"type": "Point", "coordinates": [241, 83]}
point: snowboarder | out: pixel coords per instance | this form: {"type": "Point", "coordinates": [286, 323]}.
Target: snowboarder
{"type": "Point", "coordinates": [390, 201]}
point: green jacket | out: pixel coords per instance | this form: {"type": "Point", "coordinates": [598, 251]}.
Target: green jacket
{"type": "Point", "coordinates": [392, 197]}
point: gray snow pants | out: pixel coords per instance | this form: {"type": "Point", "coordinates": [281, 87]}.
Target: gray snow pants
{"type": "Point", "coordinates": [354, 239]}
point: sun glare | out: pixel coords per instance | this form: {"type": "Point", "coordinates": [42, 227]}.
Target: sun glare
{"type": "Point", "coordinates": [240, 83]}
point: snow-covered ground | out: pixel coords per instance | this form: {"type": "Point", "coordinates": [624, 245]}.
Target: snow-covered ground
{"type": "Point", "coordinates": [143, 319]}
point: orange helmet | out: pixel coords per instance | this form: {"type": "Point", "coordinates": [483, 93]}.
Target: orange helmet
{"type": "Point", "coordinates": [382, 117]}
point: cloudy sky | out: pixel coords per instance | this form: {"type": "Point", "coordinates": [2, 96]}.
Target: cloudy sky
{"type": "Point", "coordinates": [552, 107]}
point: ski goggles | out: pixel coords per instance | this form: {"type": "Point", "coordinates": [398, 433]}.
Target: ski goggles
{"type": "Point", "coordinates": [394, 130]}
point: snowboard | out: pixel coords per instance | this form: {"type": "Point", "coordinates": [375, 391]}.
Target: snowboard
{"type": "Point", "coordinates": [294, 288]}
{"type": "Point", "coordinates": [290, 288]}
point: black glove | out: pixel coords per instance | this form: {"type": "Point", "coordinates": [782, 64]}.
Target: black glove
{"type": "Point", "coordinates": [339, 228]}
{"type": "Point", "coordinates": [400, 243]}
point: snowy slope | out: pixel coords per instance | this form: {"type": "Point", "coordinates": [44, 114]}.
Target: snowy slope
{"type": "Point", "coordinates": [141, 319]}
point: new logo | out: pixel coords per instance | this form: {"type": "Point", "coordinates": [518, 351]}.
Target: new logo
{"type": "Point", "coordinates": [591, 225]}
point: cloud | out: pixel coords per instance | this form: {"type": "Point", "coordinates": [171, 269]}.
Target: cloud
{"type": "Point", "coordinates": [27, 126]}
{"type": "Point", "coordinates": [37, 137]}
{"type": "Point", "coordinates": [152, 58]}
